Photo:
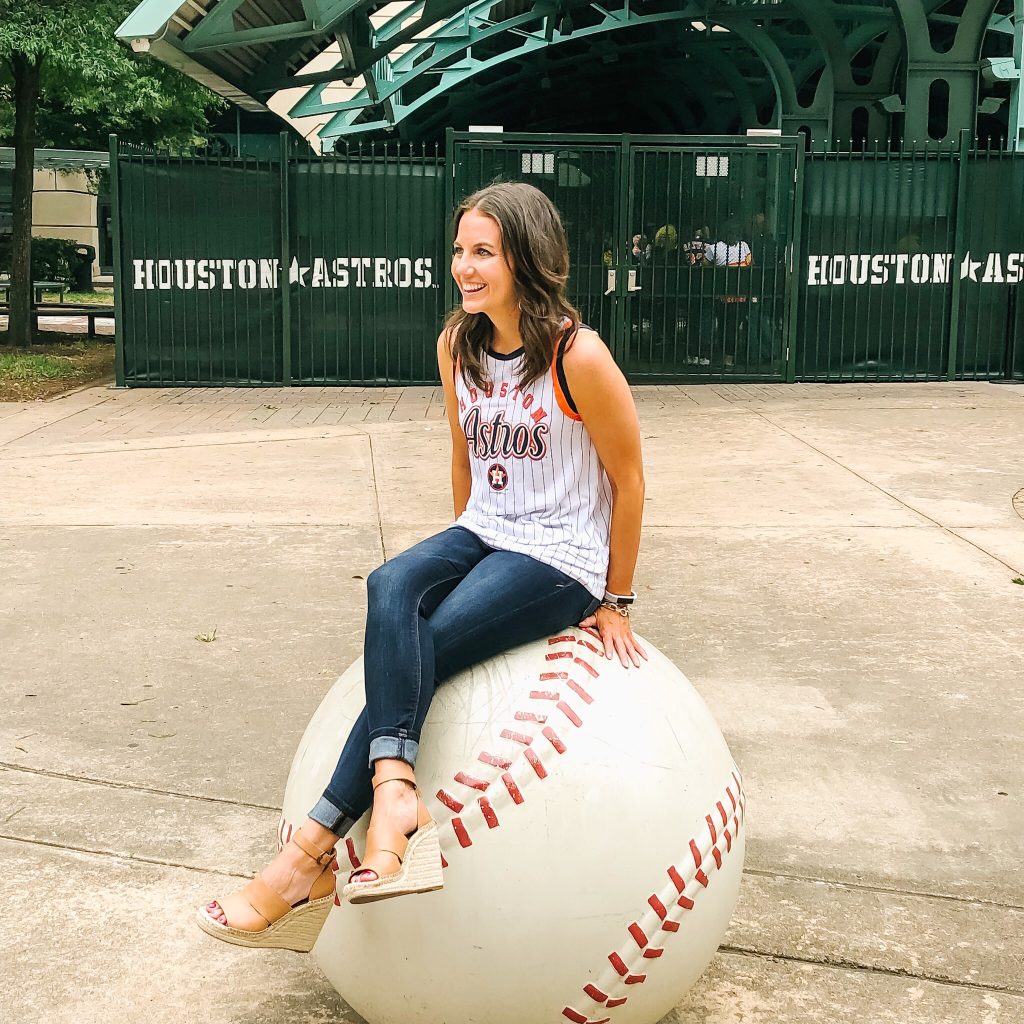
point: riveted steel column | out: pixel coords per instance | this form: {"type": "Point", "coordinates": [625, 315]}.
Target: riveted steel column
{"type": "Point", "coordinates": [959, 234]}
{"type": "Point", "coordinates": [286, 297]}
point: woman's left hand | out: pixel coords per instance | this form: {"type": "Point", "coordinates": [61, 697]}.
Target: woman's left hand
{"type": "Point", "coordinates": [616, 634]}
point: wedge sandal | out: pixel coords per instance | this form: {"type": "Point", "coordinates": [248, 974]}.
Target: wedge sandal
{"type": "Point", "coordinates": [288, 927]}
{"type": "Point", "coordinates": [419, 865]}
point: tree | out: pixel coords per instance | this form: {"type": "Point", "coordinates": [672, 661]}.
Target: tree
{"type": "Point", "coordinates": [67, 81]}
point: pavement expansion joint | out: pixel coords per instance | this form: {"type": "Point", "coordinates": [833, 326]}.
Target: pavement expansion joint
{"type": "Point", "coordinates": [113, 784]}
{"type": "Point", "coordinates": [376, 495]}
{"type": "Point", "coordinates": [52, 423]}
{"type": "Point", "coordinates": [884, 890]}
{"type": "Point", "coordinates": [114, 855]}
{"type": "Point", "coordinates": [227, 443]}
{"type": "Point", "coordinates": [827, 962]}
{"type": "Point", "coordinates": [787, 528]}
{"type": "Point", "coordinates": [949, 530]}
{"type": "Point", "coordinates": [839, 964]}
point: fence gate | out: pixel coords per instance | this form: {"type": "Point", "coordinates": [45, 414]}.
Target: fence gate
{"type": "Point", "coordinates": [681, 248]}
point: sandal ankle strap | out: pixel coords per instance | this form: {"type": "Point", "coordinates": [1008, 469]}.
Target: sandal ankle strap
{"type": "Point", "coordinates": [396, 778]}
{"type": "Point", "coordinates": [322, 857]}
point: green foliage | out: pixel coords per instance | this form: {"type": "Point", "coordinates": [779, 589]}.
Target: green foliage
{"type": "Point", "coordinates": [92, 85]}
{"type": "Point", "coordinates": [52, 258]}
{"type": "Point", "coordinates": [33, 367]}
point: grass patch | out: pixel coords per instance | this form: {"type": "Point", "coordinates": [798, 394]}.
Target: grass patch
{"type": "Point", "coordinates": [44, 370]}
{"type": "Point", "coordinates": [96, 298]}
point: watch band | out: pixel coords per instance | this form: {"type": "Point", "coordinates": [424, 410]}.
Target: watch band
{"type": "Point", "coordinates": [620, 600]}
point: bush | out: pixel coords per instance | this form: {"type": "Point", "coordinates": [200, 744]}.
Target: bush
{"type": "Point", "coordinates": [52, 258]}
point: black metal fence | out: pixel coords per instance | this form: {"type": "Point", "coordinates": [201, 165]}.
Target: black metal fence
{"type": "Point", "coordinates": [300, 270]}
{"type": "Point", "coordinates": [698, 259]}
{"type": "Point", "coordinates": [914, 263]}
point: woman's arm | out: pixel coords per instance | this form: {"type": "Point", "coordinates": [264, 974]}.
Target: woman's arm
{"type": "Point", "coordinates": [604, 402]}
{"type": "Point", "coordinates": [461, 479]}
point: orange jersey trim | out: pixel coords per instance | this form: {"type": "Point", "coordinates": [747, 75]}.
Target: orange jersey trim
{"type": "Point", "coordinates": [563, 402]}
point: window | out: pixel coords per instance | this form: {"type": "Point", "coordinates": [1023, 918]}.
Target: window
{"type": "Point", "coordinates": [712, 167]}
{"type": "Point", "coordinates": [538, 163]}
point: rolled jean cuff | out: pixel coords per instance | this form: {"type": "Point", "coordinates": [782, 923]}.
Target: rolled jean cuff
{"type": "Point", "coordinates": [332, 817]}
{"type": "Point", "coordinates": [399, 748]}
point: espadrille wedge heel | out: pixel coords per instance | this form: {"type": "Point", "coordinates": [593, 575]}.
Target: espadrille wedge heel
{"type": "Point", "coordinates": [419, 864]}
{"type": "Point", "coordinates": [288, 927]}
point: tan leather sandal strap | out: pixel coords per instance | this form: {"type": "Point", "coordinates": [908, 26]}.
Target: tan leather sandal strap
{"type": "Point", "coordinates": [320, 856]}
{"type": "Point", "coordinates": [395, 778]}
{"type": "Point", "coordinates": [270, 905]}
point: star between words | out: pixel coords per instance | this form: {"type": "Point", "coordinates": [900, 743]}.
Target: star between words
{"type": "Point", "coordinates": [227, 274]}
{"type": "Point", "coordinates": [914, 268]}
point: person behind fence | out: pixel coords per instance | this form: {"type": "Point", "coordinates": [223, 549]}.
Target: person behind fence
{"type": "Point", "coordinates": [695, 248]}
{"type": "Point", "coordinates": [548, 493]}
{"type": "Point", "coordinates": [639, 249]}
{"type": "Point", "coordinates": [731, 250]}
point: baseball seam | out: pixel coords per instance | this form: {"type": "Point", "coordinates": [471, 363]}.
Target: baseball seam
{"type": "Point", "coordinates": [666, 908]}
{"type": "Point", "coordinates": [552, 711]}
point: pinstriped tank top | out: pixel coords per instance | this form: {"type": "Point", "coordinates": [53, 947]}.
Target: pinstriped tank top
{"type": "Point", "coordinates": [538, 486]}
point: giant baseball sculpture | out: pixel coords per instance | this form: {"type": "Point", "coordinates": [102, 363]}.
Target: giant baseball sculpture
{"type": "Point", "coordinates": [592, 828]}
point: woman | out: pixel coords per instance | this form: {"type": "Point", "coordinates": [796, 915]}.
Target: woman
{"type": "Point", "coordinates": [548, 491]}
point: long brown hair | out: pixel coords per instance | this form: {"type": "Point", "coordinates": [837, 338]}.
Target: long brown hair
{"type": "Point", "coordinates": [535, 248]}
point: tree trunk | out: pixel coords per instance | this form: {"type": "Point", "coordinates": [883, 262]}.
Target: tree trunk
{"type": "Point", "coordinates": [26, 95]}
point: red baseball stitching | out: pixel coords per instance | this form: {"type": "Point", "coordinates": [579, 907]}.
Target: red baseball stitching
{"type": "Point", "coordinates": [529, 716]}
{"type": "Point", "coordinates": [665, 909]}
{"type": "Point", "coordinates": [528, 756]}
{"type": "Point", "coordinates": [518, 737]}
{"type": "Point", "coordinates": [449, 801]}
{"type": "Point", "coordinates": [532, 765]}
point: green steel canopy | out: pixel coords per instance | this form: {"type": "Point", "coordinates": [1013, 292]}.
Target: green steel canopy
{"type": "Point", "coordinates": [833, 69]}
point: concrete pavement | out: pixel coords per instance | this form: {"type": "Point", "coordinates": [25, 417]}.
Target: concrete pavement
{"type": "Point", "coordinates": [832, 566]}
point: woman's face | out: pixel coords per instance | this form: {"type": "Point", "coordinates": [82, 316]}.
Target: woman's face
{"type": "Point", "coordinates": [480, 268]}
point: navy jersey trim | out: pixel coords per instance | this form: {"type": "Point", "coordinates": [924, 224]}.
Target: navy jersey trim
{"type": "Point", "coordinates": [560, 370]}
{"type": "Point", "coordinates": [504, 356]}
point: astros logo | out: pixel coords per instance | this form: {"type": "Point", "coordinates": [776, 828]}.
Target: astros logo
{"type": "Point", "coordinates": [497, 477]}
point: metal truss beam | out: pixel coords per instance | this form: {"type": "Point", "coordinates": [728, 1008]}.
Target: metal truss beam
{"type": "Point", "coordinates": [818, 65]}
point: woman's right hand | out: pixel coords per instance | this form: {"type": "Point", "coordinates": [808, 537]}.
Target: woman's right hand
{"type": "Point", "coordinates": [616, 633]}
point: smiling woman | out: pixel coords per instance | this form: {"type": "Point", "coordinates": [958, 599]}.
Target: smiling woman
{"type": "Point", "coordinates": [547, 491]}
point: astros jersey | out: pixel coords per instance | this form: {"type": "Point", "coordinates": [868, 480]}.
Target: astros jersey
{"type": "Point", "coordinates": [538, 486]}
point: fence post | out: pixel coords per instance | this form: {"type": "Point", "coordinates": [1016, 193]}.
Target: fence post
{"type": "Point", "coordinates": [797, 268]}
{"type": "Point", "coordinates": [115, 216]}
{"type": "Point", "coordinates": [621, 229]}
{"type": "Point", "coordinates": [286, 289]}
{"type": "Point", "coordinates": [449, 203]}
{"type": "Point", "coordinates": [959, 231]}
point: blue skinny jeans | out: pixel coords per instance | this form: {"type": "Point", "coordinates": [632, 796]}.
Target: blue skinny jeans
{"type": "Point", "coordinates": [444, 604]}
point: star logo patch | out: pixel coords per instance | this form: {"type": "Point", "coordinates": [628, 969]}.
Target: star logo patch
{"type": "Point", "coordinates": [497, 477]}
